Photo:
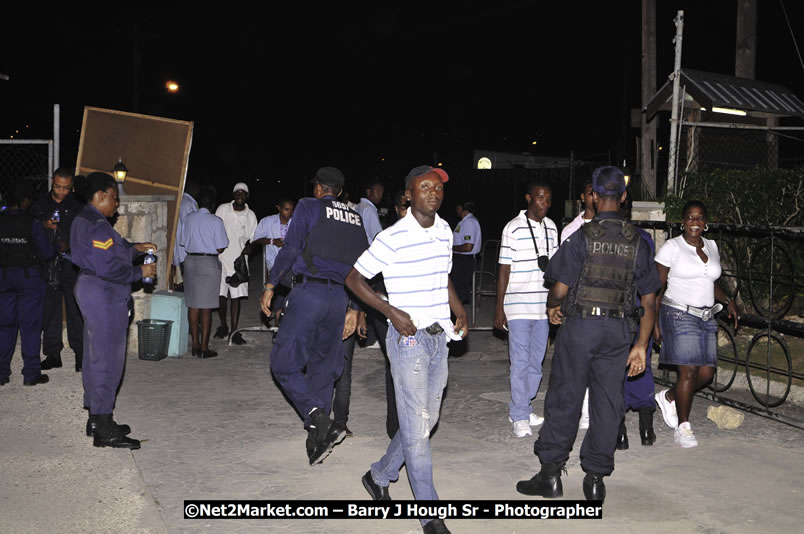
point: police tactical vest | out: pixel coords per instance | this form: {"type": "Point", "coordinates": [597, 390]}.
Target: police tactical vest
{"type": "Point", "coordinates": [16, 240]}
{"type": "Point", "coordinates": [338, 235]}
{"type": "Point", "coordinates": [607, 277]}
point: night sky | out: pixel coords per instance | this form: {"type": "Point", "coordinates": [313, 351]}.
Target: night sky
{"type": "Point", "coordinates": [374, 88]}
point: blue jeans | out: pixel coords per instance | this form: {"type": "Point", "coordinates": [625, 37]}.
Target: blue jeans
{"type": "Point", "coordinates": [419, 369]}
{"type": "Point", "coordinates": [527, 343]}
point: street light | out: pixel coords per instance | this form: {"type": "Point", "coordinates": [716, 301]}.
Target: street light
{"type": "Point", "coordinates": [172, 87]}
{"type": "Point", "coordinates": [120, 171]}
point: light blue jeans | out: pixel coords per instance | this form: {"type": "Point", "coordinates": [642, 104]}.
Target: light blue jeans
{"type": "Point", "coordinates": [527, 344]}
{"type": "Point", "coordinates": [419, 369]}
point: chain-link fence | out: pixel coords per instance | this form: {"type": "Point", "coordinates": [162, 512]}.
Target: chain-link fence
{"type": "Point", "coordinates": [25, 160]}
{"type": "Point", "coordinates": [706, 146]}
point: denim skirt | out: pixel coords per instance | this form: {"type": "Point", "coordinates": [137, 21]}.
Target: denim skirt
{"type": "Point", "coordinates": [686, 339]}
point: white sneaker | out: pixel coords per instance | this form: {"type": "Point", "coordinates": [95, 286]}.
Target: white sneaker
{"type": "Point", "coordinates": [522, 428]}
{"type": "Point", "coordinates": [668, 409]}
{"type": "Point", "coordinates": [535, 420]}
{"type": "Point", "coordinates": [684, 436]}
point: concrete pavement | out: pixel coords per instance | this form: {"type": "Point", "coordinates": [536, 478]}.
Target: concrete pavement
{"type": "Point", "coordinates": [221, 429]}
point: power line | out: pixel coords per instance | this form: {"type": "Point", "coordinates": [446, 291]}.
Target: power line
{"type": "Point", "coordinates": [791, 33]}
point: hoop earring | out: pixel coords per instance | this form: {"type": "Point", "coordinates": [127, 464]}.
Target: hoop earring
{"type": "Point", "coordinates": [706, 228]}
{"type": "Point", "coordinates": [682, 227]}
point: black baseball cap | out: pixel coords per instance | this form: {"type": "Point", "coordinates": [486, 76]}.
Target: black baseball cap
{"type": "Point", "coordinates": [608, 180]}
{"type": "Point", "coordinates": [421, 170]}
{"type": "Point", "coordinates": [329, 176]}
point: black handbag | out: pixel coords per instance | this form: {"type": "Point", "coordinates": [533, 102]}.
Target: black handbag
{"type": "Point", "coordinates": [241, 275]}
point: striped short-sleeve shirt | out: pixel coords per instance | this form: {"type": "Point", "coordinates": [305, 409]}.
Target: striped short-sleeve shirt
{"type": "Point", "coordinates": [526, 296]}
{"type": "Point", "coordinates": [415, 263]}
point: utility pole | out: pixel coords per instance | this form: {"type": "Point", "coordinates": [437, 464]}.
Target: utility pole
{"type": "Point", "coordinates": [745, 60]}
{"type": "Point", "coordinates": [647, 168]}
{"type": "Point", "coordinates": [674, 120]}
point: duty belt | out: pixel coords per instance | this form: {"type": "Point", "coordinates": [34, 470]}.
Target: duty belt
{"type": "Point", "coordinates": [594, 311]}
{"type": "Point", "coordinates": [703, 313]}
{"type": "Point", "coordinates": [303, 278]}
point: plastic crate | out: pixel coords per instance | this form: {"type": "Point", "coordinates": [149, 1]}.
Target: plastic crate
{"type": "Point", "coordinates": [154, 338]}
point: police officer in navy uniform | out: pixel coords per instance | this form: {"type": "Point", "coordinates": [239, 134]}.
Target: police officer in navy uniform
{"type": "Point", "coordinates": [24, 245]}
{"type": "Point", "coordinates": [62, 274]}
{"type": "Point", "coordinates": [324, 239]}
{"type": "Point", "coordinates": [103, 291]}
{"type": "Point", "coordinates": [596, 274]}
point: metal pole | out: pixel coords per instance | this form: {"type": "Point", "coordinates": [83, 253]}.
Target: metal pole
{"type": "Point", "coordinates": [56, 136]}
{"type": "Point", "coordinates": [671, 164]}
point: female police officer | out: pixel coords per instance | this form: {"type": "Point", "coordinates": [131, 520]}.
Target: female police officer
{"type": "Point", "coordinates": [103, 293]}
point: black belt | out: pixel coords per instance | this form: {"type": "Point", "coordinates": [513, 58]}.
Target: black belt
{"type": "Point", "coordinates": [303, 278]}
{"type": "Point", "coordinates": [200, 254]}
{"type": "Point", "coordinates": [594, 311]}
{"type": "Point", "coordinates": [434, 329]}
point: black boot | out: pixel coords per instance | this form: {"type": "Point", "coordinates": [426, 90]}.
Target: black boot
{"type": "Point", "coordinates": [51, 362]}
{"type": "Point", "coordinates": [593, 487]}
{"type": "Point", "coordinates": [121, 430]}
{"type": "Point", "coordinates": [622, 437]}
{"type": "Point", "coordinates": [545, 483]}
{"type": "Point", "coordinates": [106, 435]}
{"type": "Point", "coordinates": [79, 362]}
{"type": "Point", "coordinates": [646, 433]}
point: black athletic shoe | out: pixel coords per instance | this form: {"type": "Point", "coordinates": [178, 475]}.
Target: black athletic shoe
{"type": "Point", "coordinates": [436, 526]}
{"type": "Point", "coordinates": [378, 493]}
{"type": "Point", "coordinates": [323, 435]}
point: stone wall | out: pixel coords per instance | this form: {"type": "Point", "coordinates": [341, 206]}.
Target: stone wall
{"type": "Point", "coordinates": [650, 211]}
{"type": "Point", "coordinates": [143, 218]}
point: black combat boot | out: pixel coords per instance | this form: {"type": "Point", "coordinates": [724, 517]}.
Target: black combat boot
{"type": "Point", "coordinates": [51, 361]}
{"type": "Point", "coordinates": [121, 430]}
{"type": "Point", "coordinates": [593, 487]}
{"type": "Point", "coordinates": [106, 435]}
{"type": "Point", "coordinates": [545, 483]}
{"type": "Point", "coordinates": [646, 433]}
{"type": "Point", "coordinates": [622, 437]}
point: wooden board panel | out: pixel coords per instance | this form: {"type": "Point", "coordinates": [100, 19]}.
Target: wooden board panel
{"type": "Point", "coordinates": [155, 150]}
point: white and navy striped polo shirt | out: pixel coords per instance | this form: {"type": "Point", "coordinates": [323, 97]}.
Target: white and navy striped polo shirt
{"type": "Point", "coordinates": [415, 263]}
{"type": "Point", "coordinates": [526, 296]}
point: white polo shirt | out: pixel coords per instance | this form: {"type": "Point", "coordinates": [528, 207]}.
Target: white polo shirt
{"type": "Point", "coordinates": [415, 263]}
{"type": "Point", "coordinates": [526, 296]}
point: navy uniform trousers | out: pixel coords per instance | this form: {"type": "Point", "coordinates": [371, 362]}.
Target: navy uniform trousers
{"type": "Point", "coordinates": [22, 295]}
{"type": "Point", "coordinates": [104, 306]}
{"type": "Point", "coordinates": [52, 342]}
{"type": "Point", "coordinates": [639, 389]}
{"type": "Point", "coordinates": [310, 337]}
{"type": "Point", "coordinates": [589, 352]}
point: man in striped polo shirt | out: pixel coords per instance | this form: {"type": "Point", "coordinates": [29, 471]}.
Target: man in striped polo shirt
{"type": "Point", "coordinates": [415, 257]}
{"type": "Point", "coordinates": [528, 241]}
